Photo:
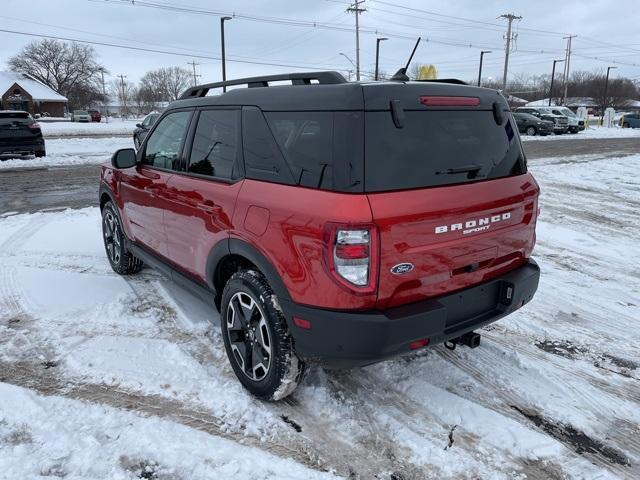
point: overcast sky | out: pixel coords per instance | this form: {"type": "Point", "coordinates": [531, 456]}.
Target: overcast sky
{"type": "Point", "coordinates": [616, 23]}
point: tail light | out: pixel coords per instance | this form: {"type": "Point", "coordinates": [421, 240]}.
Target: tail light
{"type": "Point", "coordinates": [353, 255]}
{"type": "Point", "coordinates": [440, 101]}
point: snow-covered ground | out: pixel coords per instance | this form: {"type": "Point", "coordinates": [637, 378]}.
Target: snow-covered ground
{"type": "Point", "coordinates": [589, 132]}
{"type": "Point", "coordinates": [116, 126]}
{"type": "Point", "coordinates": [72, 151]}
{"type": "Point", "coordinates": [112, 377]}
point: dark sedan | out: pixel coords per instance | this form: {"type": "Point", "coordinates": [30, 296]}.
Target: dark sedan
{"type": "Point", "coordinates": [143, 128]}
{"type": "Point", "coordinates": [20, 135]}
{"type": "Point", "coordinates": [532, 125]}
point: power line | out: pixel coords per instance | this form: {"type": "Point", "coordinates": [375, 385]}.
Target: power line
{"type": "Point", "coordinates": [470, 20]}
{"type": "Point", "coordinates": [153, 50]}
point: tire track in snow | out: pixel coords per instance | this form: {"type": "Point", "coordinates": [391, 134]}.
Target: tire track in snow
{"type": "Point", "coordinates": [319, 440]}
{"type": "Point", "coordinates": [46, 382]}
{"type": "Point", "coordinates": [510, 403]}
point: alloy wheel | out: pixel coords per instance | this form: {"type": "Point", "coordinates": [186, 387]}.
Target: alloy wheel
{"type": "Point", "coordinates": [249, 336]}
{"type": "Point", "coordinates": [111, 237]}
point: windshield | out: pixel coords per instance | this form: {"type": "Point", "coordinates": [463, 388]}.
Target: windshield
{"type": "Point", "coordinates": [80, 112]}
{"type": "Point", "coordinates": [566, 111]}
{"type": "Point", "coordinates": [438, 148]}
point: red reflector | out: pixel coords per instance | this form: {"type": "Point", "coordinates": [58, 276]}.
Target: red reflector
{"type": "Point", "coordinates": [433, 101]}
{"type": "Point", "coordinates": [419, 344]}
{"type": "Point", "coordinates": [302, 323]}
{"type": "Point", "coordinates": [352, 252]}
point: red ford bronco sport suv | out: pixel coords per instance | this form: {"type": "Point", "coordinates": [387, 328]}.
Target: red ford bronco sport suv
{"type": "Point", "coordinates": [332, 222]}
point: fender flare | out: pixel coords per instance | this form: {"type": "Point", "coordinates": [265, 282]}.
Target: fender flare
{"type": "Point", "coordinates": [104, 189]}
{"type": "Point", "coordinates": [234, 246]}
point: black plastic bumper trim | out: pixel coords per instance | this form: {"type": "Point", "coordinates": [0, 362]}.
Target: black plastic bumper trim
{"type": "Point", "coordinates": [347, 338]}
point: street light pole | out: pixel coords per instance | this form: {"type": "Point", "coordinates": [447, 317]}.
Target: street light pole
{"type": "Point", "coordinates": [378, 40]}
{"type": "Point", "coordinates": [351, 62]}
{"type": "Point", "coordinates": [480, 67]}
{"type": "Point", "coordinates": [553, 74]}
{"type": "Point", "coordinates": [604, 100]}
{"type": "Point", "coordinates": [104, 97]}
{"type": "Point", "coordinates": [224, 66]}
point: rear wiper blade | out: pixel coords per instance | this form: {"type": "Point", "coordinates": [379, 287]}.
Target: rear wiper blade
{"type": "Point", "coordinates": [461, 169]}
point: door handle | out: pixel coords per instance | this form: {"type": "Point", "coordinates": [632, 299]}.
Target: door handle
{"type": "Point", "coordinates": [210, 208]}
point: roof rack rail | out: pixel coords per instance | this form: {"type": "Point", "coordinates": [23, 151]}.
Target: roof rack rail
{"type": "Point", "coordinates": [446, 80]}
{"type": "Point", "coordinates": [323, 78]}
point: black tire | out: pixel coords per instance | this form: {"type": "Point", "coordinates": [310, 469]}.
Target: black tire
{"type": "Point", "coordinates": [120, 258]}
{"type": "Point", "coordinates": [41, 154]}
{"type": "Point", "coordinates": [531, 131]}
{"type": "Point", "coordinates": [625, 125]}
{"type": "Point", "coordinates": [258, 335]}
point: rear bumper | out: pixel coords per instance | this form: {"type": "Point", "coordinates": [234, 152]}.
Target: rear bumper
{"type": "Point", "coordinates": [26, 148]}
{"type": "Point", "coordinates": [347, 339]}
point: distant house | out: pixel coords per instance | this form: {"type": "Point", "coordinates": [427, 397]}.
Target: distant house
{"type": "Point", "coordinates": [21, 92]}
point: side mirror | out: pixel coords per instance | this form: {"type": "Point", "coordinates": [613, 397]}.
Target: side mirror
{"type": "Point", "coordinates": [139, 125]}
{"type": "Point", "coordinates": [124, 158]}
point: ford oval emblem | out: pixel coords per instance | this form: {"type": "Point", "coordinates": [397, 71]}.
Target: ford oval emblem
{"type": "Point", "coordinates": [402, 268]}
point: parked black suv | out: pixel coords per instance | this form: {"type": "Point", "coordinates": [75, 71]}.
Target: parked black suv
{"type": "Point", "coordinates": [20, 135]}
{"type": "Point", "coordinates": [532, 125]}
{"type": "Point", "coordinates": [143, 128]}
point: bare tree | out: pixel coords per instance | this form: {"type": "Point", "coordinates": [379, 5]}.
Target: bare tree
{"type": "Point", "coordinates": [70, 69]}
{"type": "Point", "coordinates": [165, 84]}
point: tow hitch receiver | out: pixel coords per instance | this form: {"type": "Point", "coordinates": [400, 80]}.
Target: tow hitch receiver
{"type": "Point", "coordinates": [470, 339]}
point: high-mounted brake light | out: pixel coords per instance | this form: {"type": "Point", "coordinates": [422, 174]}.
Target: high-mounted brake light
{"type": "Point", "coordinates": [352, 255]}
{"type": "Point", "coordinates": [438, 101]}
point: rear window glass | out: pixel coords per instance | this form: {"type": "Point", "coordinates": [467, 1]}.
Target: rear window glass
{"type": "Point", "coordinates": [438, 148]}
{"type": "Point", "coordinates": [14, 115]}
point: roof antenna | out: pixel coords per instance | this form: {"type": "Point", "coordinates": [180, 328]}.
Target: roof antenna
{"type": "Point", "coordinates": [401, 75]}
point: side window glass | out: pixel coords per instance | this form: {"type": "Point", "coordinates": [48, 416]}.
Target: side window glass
{"type": "Point", "coordinates": [164, 144]}
{"type": "Point", "coordinates": [263, 159]}
{"type": "Point", "coordinates": [215, 144]}
{"type": "Point", "coordinates": [306, 139]}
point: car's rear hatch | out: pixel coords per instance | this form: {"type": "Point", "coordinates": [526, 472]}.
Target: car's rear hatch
{"type": "Point", "coordinates": [17, 128]}
{"type": "Point", "coordinates": [448, 189]}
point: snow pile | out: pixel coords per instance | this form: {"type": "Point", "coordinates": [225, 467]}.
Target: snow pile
{"type": "Point", "coordinates": [116, 126]}
{"type": "Point", "coordinates": [72, 151]}
{"type": "Point", "coordinates": [552, 392]}
{"type": "Point", "coordinates": [590, 132]}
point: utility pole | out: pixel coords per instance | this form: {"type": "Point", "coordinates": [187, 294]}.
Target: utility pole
{"type": "Point", "coordinates": [606, 90]}
{"type": "Point", "coordinates": [565, 78]}
{"type": "Point", "coordinates": [195, 77]}
{"type": "Point", "coordinates": [104, 95]}
{"type": "Point", "coordinates": [553, 74]}
{"type": "Point", "coordinates": [480, 67]}
{"type": "Point", "coordinates": [224, 65]}
{"type": "Point", "coordinates": [510, 18]}
{"type": "Point", "coordinates": [378, 40]}
{"type": "Point", "coordinates": [124, 96]}
{"type": "Point", "coordinates": [355, 8]}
